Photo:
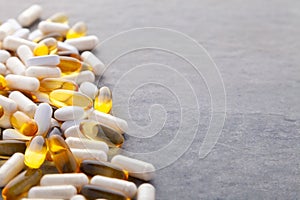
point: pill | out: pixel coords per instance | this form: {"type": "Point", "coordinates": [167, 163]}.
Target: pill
{"type": "Point", "coordinates": [14, 23]}
{"type": "Point", "coordinates": [77, 30]}
{"type": "Point", "coordinates": [53, 27]}
{"type": "Point", "coordinates": [67, 124]}
{"type": "Point", "coordinates": [83, 76]}
{"type": "Point", "coordinates": [94, 192]}
{"type": "Point", "coordinates": [3, 69]}
{"type": "Point", "coordinates": [13, 134]}
{"type": "Point", "coordinates": [81, 143]}
{"type": "Point", "coordinates": [24, 53]}
{"type": "Point", "coordinates": [146, 191]}
{"type": "Point", "coordinates": [45, 47]}
{"type": "Point", "coordinates": [11, 168]}
{"type": "Point", "coordinates": [35, 34]}
{"type": "Point", "coordinates": [62, 156]}
{"type": "Point", "coordinates": [30, 15]}
{"type": "Point", "coordinates": [103, 102]}
{"type": "Point", "coordinates": [84, 43]}
{"type": "Point", "coordinates": [6, 29]}
{"type": "Point", "coordinates": [39, 97]}
{"type": "Point", "coordinates": [51, 36]}
{"type": "Point", "coordinates": [126, 187]}
{"type": "Point", "coordinates": [73, 131]}
{"type": "Point", "coordinates": [15, 66]}
{"type": "Point", "coordinates": [62, 46]}
{"type": "Point", "coordinates": [60, 98]}
{"type": "Point", "coordinates": [36, 152]}
{"type": "Point", "coordinates": [59, 17]}
{"type": "Point", "coordinates": [12, 43]}
{"type": "Point", "coordinates": [4, 55]}
{"type": "Point", "coordinates": [9, 147]}
{"type": "Point", "coordinates": [69, 113]}
{"type": "Point", "coordinates": [1, 111]}
{"type": "Point", "coordinates": [69, 65]}
{"type": "Point", "coordinates": [57, 191]}
{"type": "Point", "coordinates": [77, 180]}
{"type": "Point", "coordinates": [8, 105]}
{"type": "Point", "coordinates": [3, 83]}
{"type": "Point", "coordinates": [89, 154]}
{"type": "Point", "coordinates": [55, 131]}
{"type": "Point", "coordinates": [42, 117]}
{"type": "Point", "coordinates": [89, 89]}
{"type": "Point", "coordinates": [43, 72]}
{"type": "Point", "coordinates": [93, 167]}
{"type": "Point", "coordinates": [136, 168]}
{"type": "Point", "coordinates": [96, 64]}
{"type": "Point", "coordinates": [24, 103]}
{"type": "Point", "coordinates": [78, 197]}
{"type": "Point", "coordinates": [110, 121]}
{"type": "Point", "coordinates": [18, 186]}
{"type": "Point", "coordinates": [23, 123]}
{"type": "Point", "coordinates": [50, 84]}
{"type": "Point", "coordinates": [47, 60]}
{"type": "Point", "coordinates": [22, 33]}
{"type": "Point", "coordinates": [23, 83]}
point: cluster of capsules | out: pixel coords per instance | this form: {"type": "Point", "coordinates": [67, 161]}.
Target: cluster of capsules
{"type": "Point", "coordinates": [59, 140]}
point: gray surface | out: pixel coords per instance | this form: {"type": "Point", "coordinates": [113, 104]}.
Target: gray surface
{"type": "Point", "coordinates": [255, 45]}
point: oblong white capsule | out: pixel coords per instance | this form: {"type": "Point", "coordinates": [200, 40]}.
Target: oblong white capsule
{"type": "Point", "coordinates": [42, 117]}
{"type": "Point", "coordinates": [24, 53]}
{"type": "Point", "coordinates": [22, 33]}
{"type": "Point", "coordinates": [75, 179]}
{"type": "Point", "coordinates": [5, 121]}
{"type": "Point", "coordinates": [15, 66]}
{"type": "Point", "coordinates": [67, 124]}
{"type": "Point", "coordinates": [136, 168]}
{"type": "Point", "coordinates": [126, 187]}
{"type": "Point", "coordinates": [3, 69]}
{"type": "Point", "coordinates": [11, 168]}
{"type": "Point", "coordinates": [35, 34]}
{"type": "Point", "coordinates": [78, 197]}
{"type": "Point", "coordinates": [12, 43]}
{"type": "Point", "coordinates": [43, 72]}
{"type": "Point", "coordinates": [4, 55]}
{"type": "Point", "coordinates": [30, 15]}
{"type": "Point", "coordinates": [8, 105]}
{"type": "Point", "coordinates": [13, 134]}
{"type": "Point", "coordinates": [84, 43]}
{"type": "Point", "coordinates": [89, 154]}
{"type": "Point", "coordinates": [96, 64]}
{"type": "Point", "coordinates": [57, 191]}
{"type": "Point", "coordinates": [89, 89]}
{"type": "Point", "coordinates": [146, 191]}
{"type": "Point", "coordinates": [5, 30]}
{"type": "Point", "coordinates": [48, 60]}
{"type": "Point", "coordinates": [84, 76]}
{"type": "Point", "coordinates": [23, 83]}
{"type": "Point", "coordinates": [53, 27]}
{"type": "Point", "coordinates": [61, 46]}
{"type": "Point", "coordinates": [68, 113]}
{"type": "Point", "coordinates": [110, 121]}
{"type": "Point", "coordinates": [15, 24]}
{"type": "Point", "coordinates": [24, 103]}
{"type": "Point", "coordinates": [73, 131]}
{"type": "Point", "coordinates": [83, 143]}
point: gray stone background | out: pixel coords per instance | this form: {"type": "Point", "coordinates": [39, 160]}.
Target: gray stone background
{"type": "Point", "coordinates": [255, 45]}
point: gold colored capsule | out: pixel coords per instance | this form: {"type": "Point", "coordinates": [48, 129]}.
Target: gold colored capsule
{"type": "Point", "coordinates": [23, 123]}
{"type": "Point", "coordinates": [1, 111]}
{"type": "Point", "coordinates": [78, 30]}
{"type": "Point", "coordinates": [41, 50]}
{"type": "Point", "coordinates": [51, 84]}
{"type": "Point", "coordinates": [103, 102]}
{"type": "Point", "coordinates": [97, 192]}
{"type": "Point", "coordinates": [69, 54]}
{"type": "Point", "coordinates": [3, 83]}
{"type": "Point", "coordinates": [36, 152]}
{"type": "Point", "coordinates": [45, 47]}
{"type": "Point", "coordinates": [69, 65]}
{"type": "Point", "coordinates": [9, 147]}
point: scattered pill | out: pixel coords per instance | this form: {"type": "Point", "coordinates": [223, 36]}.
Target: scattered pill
{"type": "Point", "coordinates": [77, 30]}
{"type": "Point", "coordinates": [89, 154]}
{"type": "Point", "coordinates": [78, 197]}
{"type": "Point", "coordinates": [57, 191]}
{"type": "Point", "coordinates": [22, 83]}
{"type": "Point", "coordinates": [36, 152]}
{"type": "Point", "coordinates": [43, 60]}
{"type": "Point", "coordinates": [12, 43]}
{"type": "Point", "coordinates": [22, 33]}
{"type": "Point", "coordinates": [23, 123]}
{"type": "Point", "coordinates": [69, 113]}
{"type": "Point", "coordinates": [83, 76]}
{"type": "Point", "coordinates": [96, 64]}
{"type": "Point", "coordinates": [89, 89]}
{"type": "Point", "coordinates": [103, 102]}
{"type": "Point", "coordinates": [77, 180]}
{"type": "Point", "coordinates": [42, 117]}
{"type": "Point", "coordinates": [53, 27]}
{"type": "Point", "coordinates": [30, 15]}
{"type": "Point", "coordinates": [23, 102]}
{"type": "Point", "coordinates": [79, 143]}
{"type": "Point", "coordinates": [94, 192]}
{"type": "Point", "coordinates": [15, 66]}
{"type": "Point", "coordinates": [24, 53]}
{"type": "Point", "coordinates": [146, 191]}
{"type": "Point", "coordinates": [84, 43]}
{"type": "Point", "coordinates": [13, 134]}
{"type": "Point", "coordinates": [4, 55]}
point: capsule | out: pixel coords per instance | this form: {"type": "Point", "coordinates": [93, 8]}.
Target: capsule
{"type": "Point", "coordinates": [12, 43]}
{"type": "Point", "coordinates": [30, 15]}
{"type": "Point", "coordinates": [43, 72]}
{"type": "Point", "coordinates": [84, 43]}
{"type": "Point", "coordinates": [15, 66]}
{"type": "Point", "coordinates": [42, 117]}
{"type": "Point", "coordinates": [22, 33]}
{"type": "Point", "coordinates": [13, 134]}
{"type": "Point", "coordinates": [36, 152]}
{"type": "Point", "coordinates": [96, 64]}
{"type": "Point", "coordinates": [73, 131]}
{"type": "Point", "coordinates": [56, 36]}
{"type": "Point", "coordinates": [83, 76]}
{"type": "Point", "coordinates": [8, 105]}
{"type": "Point", "coordinates": [53, 27]}
{"type": "Point", "coordinates": [24, 103]}
{"type": "Point", "coordinates": [23, 123]}
{"type": "Point", "coordinates": [6, 29]}
{"type": "Point", "coordinates": [89, 89]}
{"type": "Point", "coordinates": [9, 147]}
{"type": "Point", "coordinates": [63, 158]}
{"type": "Point", "coordinates": [146, 191]}
{"type": "Point", "coordinates": [80, 143]}
{"type": "Point", "coordinates": [103, 102]}
{"type": "Point", "coordinates": [77, 30]}
{"type": "Point", "coordinates": [50, 84]}
{"type": "Point", "coordinates": [89, 154]}
{"type": "Point", "coordinates": [39, 97]}
{"type": "Point", "coordinates": [67, 124]}
{"type": "Point", "coordinates": [3, 71]}
{"type": "Point", "coordinates": [69, 113]}
{"type": "Point", "coordinates": [69, 65]}
{"type": "Point", "coordinates": [4, 55]}
{"type": "Point", "coordinates": [24, 53]}
{"type": "Point", "coordinates": [35, 34]}
{"type": "Point", "coordinates": [60, 98]}
{"type": "Point", "coordinates": [48, 60]}
{"type": "Point", "coordinates": [18, 186]}
{"type": "Point", "coordinates": [45, 47]}
{"type": "Point", "coordinates": [3, 83]}
{"type": "Point", "coordinates": [22, 83]}
{"type": "Point", "coordinates": [77, 180]}
{"type": "Point", "coordinates": [93, 167]}
{"type": "Point", "coordinates": [95, 192]}
{"type": "Point", "coordinates": [136, 168]}
{"type": "Point", "coordinates": [126, 187]}
{"type": "Point", "coordinates": [1, 111]}
{"type": "Point", "coordinates": [62, 46]}
{"type": "Point", "coordinates": [55, 131]}
{"type": "Point", "coordinates": [78, 197]}
{"type": "Point", "coordinates": [57, 191]}
{"type": "Point", "coordinates": [59, 17]}
{"type": "Point", "coordinates": [11, 168]}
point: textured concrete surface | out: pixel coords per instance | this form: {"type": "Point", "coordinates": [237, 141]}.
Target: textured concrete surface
{"type": "Point", "coordinates": [255, 45]}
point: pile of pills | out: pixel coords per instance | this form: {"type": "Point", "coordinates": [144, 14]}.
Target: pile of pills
{"type": "Point", "coordinates": [59, 139]}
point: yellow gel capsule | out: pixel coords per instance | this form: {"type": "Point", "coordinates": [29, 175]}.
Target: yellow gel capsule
{"type": "Point", "coordinates": [1, 111]}
{"type": "Point", "coordinates": [103, 102]}
{"type": "Point", "coordinates": [3, 83]}
{"type": "Point", "coordinates": [45, 47]}
{"type": "Point", "coordinates": [41, 50]}
{"type": "Point", "coordinates": [59, 18]}
{"type": "Point", "coordinates": [51, 84]}
{"type": "Point", "coordinates": [78, 30]}
{"type": "Point", "coordinates": [23, 123]}
{"type": "Point", "coordinates": [69, 65]}
{"type": "Point", "coordinates": [60, 98]}
{"type": "Point", "coordinates": [36, 152]}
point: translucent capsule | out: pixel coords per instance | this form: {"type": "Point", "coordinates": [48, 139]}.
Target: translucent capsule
{"type": "Point", "coordinates": [77, 180]}
{"type": "Point", "coordinates": [89, 89]}
{"type": "Point", "coordinates": [36, 152]}
{"type": "Point", "coordinates": [69, 113]}
{"type": "Point", "coordinates": [4, 55]}
{"type": "Point", "coordinates": [57, 191]}
{"type": "Point", "coordinates": [3, 83]}
{"type": "Point", "coordinates": [30, 15]}
{"type": "Point", "coordinates": [12, 43]}
{"type": "Point", "coordinates": [63, 158]}
{"type": "Point", "coordinates": [96, 64]}
{"type": "Point", "coordinates": [103, 102]}
{"type": "Point", "coordinates": [69, 65]}
{"type": "Point", "coordinates": [53, 27]}
{"type": "Point", "coordinates": [60, 98]}
{"type": "Point", "coordinates": [84, 43]}
{"type": "Point", "coordinates": [45, 47]}
{"type": "Point", "coordinates": [9, 147]}
{"type": "Point", "coordinates": [42, 117]}
{"type": "Point", "coordinates": [48, 60]}
{"type": "Point", "coordinates": [77, 30]}
{"type": "Point", "coordinates": [23, 123]}
{"type": "Point", "coordinates": [24, 103]}
{"type": "Point", "coordinates": [59, 18]}
{"type": "Point", "coordinates": [146, 191]}
{"type": "Point", "coordinates": [15, 66]}
{"type": "Point", "coordinates": [22, 83]}
{"type": "Point", "coordinates": [89, 154]}
{"type": "Point", "coordinates": [13, 134]}
{"type": "Point", "coordinates": [24, 53]}
{"type": "Point", "coordinates": [81, 143]}
{"type": "Point", "coordinates": [50, 84]}
{"type": "Point", "coordinates": [94, 192]}
{"type": "Point", "coordinates": [18, 186]}
{"type": "Point", "coordinates": [92, 168]}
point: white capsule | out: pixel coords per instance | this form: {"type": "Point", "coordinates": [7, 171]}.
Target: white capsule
{"type": "Point", "coordinates": [5, 30]}
{"type": "Point", "coordinates": [4, 55]}
{"type": "Point", "coordinates": [126, 187]}
{"type": "Point", "coordinates": [15, 24]}
{"type": "Point", "coordinates": [24, 103]}
{"type": "Point", "coordinates": [83, 143]}
{"type": "Point", "coordinates": [84, 76]}
{"type": "Point", "coordinates": [15, 66]}
{"type": "Point", "coordinates": [89, 89]}
{"type": "Point", "coordinates": [24, 53]}
{"type": "Point", "coordinates": [73, 131]}
{"type": "Point", "coordinates": [35, 34]}
{"type": "Point", "coordinates": [146, 191]}
{"type": "Point", "coordinates": [84, 43]}
{"type": "Point", "coordinates": [78, 197]}
{"type": "Point", "coordinates": [13, 134]}
{"type": "Point", "coordinates": [5, 121]}
{"type": "Point", "coordinates": [30, 15]}
{"type": "Point", "coordinates": [9, 105]}
{"type": "Point", "coordinates": [42, 117]}
{"type": "Point", "coordinates": [48, 60]}
{"type": "Point", "coordinates": [57, 191]}
{"type": "Point", "coordinates": [93, 61]}
{"type": "Point", "coordinates": [110, 121]}
{"type": "Point", "coordinates": [68, 113]}
{"type": "Point", "coordinates": [54, 123]}
{"type": "Point", "coordinates": [53, 27]}
{"type": "Point", "coordinates": [43, 72]}
{"type": "Point", "coordinates": [12, 43]}
{"type": "Point", "coordinates": [11, 168]}
{"type": "Point", "coordinates": [136, 168]}
{"type": "Point", "coordinates": [3, 69]}
{"type": "Point", "coordinates": [23, 83]}
{"type": "Point", "coordinates": [61, 46]}
{"type": "Point", "coordinates": [67, 124]}
{"type": "Point", "coordinates": [22, 33]}
{"type": "Point", "coordinates": [77, 180]}
{"type": "Point", "coordinates": [89, 154]}
{"type": "Point", "coordinates": [41, 97]}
